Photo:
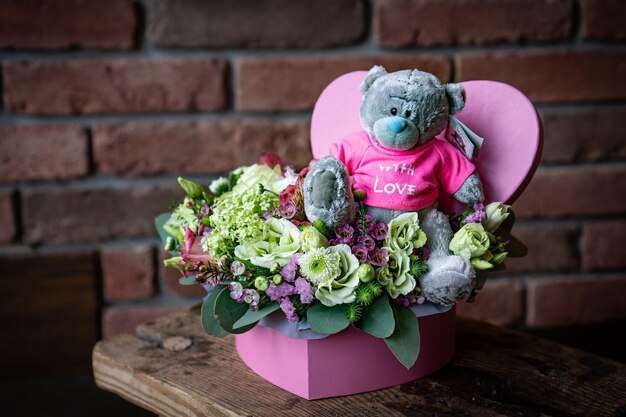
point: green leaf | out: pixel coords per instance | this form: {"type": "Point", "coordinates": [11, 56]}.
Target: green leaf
{"type": "Point", "coordinates": [405, 340]}
{"type": "Point", "coordinates": [209, 323]}
{"type": "Point", "coordinates": [252, 317]}
{"type": "Point", "coordinates": [327, 320]}
{"type": "Point", "coordinates": [159, 222]}
{"type": "Point", "coordinates": [227, 311]}
{"type": "Point", "coordinates": [378, 319]}
{"type": "Point", "coordinates": [190, 280]}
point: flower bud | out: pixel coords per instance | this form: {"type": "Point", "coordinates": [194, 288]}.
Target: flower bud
{"type": "Point", "coordinates": [499, 258]}
{"type": "Point", "coordinates": [192, 189]}
{"type": "Point", "coordinates": [174, 262]}
{"type": "Point", "coordinates": [359, 195]}
{"type": "Point", "coordinates": [274, 267]}
{"type": "Point", "coordinates": [277, 279]}
{"type": "Point", "coordinates": [365, 272]}
{"type": "Point", "coordinates": [480, 264]}
{"type": "Point", "coordinates": [261, 283]}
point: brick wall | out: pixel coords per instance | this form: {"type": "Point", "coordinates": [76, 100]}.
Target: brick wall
{"type": "Point", "coordinates": [105, 103]}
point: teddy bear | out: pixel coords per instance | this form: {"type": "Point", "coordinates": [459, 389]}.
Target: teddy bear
{"type": "Point", "coordinates": [402, 165]}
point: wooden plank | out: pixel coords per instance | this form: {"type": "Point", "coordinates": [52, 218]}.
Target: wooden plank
{"type": "Point", "coordinates": [48, 313]}
{"type": "Point", "coordinates": [495, 372]}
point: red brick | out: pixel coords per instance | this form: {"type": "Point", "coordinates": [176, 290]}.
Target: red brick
{"type": "Point", "coordinates": [603, 19]}
{"type": "Point", "coordinates": [127, 272]}
{"type": "Point", "coordinates": [124, 319]}
{"type": "Point", "coordinates": [568, 301]}
{"type": "Point", "coordinates": [499, 302]}
{"type": "Point", "coordinates": [95, 212]}
{"type": "Point", "coordinates": [207, 146]}
{"type": "Point", "coordinates": [551, 247]}
{"type": "Point", "coordinates": [603, 246]}
{"type": "Point", "coordinates": [115, 86]}
{"type": "Point", "coordinates": [551, 76]}
{"type": "Point", "coordinates": [254, 23]}
{"type": "Point", "coordinates": [296, 82]}
{"type": "Point", "coordinates": [37, 24]}
{"type": "Point", "coordinates": [8, 228]}
{"type": "Point", "coordinates": [574, 191]}
{"type": "Point", "coordinates": [42, 152]}
{"type": "Point", "coordinates": [584, 134]}
{"type": "Point", "coordinates": [170, 277]}
{"type": "Point", "coordinates": [402, 23]}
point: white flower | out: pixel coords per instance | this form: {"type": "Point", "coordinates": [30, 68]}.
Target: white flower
{"type": "Point", "coordinates": [270, 178]}
{"type": "Point", "coordinates": [311, 238]}
{"type": "Point", "coordinates": [395, 275]}
{"type": "Point", "coordinates": [471, 241]}
{"type": "Point", "coordinates": [279, 241]}
{"type": "Point", "coordinates": [219, 186]}
{"type": "Point", "coordinates": [405, 234]}
{"type": "Point", "coordinates": [496, 214]}
{"type": "Point", "coordinates": [340, 262]}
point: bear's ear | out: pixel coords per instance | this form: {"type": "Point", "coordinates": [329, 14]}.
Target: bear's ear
{"type": "Point", "coordinates": [376, 72]}
{"type": "Point", "coordinates": [456, 97]}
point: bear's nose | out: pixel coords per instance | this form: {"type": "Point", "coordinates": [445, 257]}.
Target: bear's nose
{"type": "Point", "coordinates": [396, 124]}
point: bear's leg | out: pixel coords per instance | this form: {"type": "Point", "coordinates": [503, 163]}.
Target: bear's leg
{"type": "Point", "coordinates": [328, 193]}
{"type": "Point", "coordinates": [450, 278]}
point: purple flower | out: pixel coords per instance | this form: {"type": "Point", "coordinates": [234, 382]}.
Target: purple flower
{"type": "Point", "coordinates": [276, 292]}
{"type": "Point", "coordinates": [378, 230]}
{"type": "Point", "coordinates": [360, 251]}
{"type": "Point", "coordinates": [421, 300]}
{"type": "Point", "coordinates": [204, 211]}
{"type": "Point", "coordinates": [290, 311]}
{"type": "Point", "coordinates": [344, 232]}
{"type": "Point", "coordinates": [347, 240]}
{"type": "Point", "coordinates": [236, 291]}
{"type": "Point", "coordinates": [367, 241]}
{"type": "Point", "coordinates": [378, 257]}
{"type": "Point", "coordinates": [304, 290]}
{"type": "Point", "coordinates": [288, 210]}
{"type": "Point", "coordinates": [251, 297]}
{"type": "Point", "coordinates": [237, 268]}
{"type": "Point", "coordinates": [269, 214]}
{"type": "Point", "coordinates": [335, 242]}
{"type": "Point", "coordinates": [288, 272]}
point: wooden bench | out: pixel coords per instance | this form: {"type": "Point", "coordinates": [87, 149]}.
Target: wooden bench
{"type": "Point", "coordinates": [172, 368]}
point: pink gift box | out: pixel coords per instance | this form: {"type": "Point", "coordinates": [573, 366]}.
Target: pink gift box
{"type": "Point", "coordinates": [346, 363]}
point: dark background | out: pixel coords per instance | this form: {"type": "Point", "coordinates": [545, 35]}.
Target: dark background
{"type": "Point", "coordinates": [106, 102]}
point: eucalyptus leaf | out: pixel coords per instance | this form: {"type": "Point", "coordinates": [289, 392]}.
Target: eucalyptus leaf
{"type": "Point", "coordinates": [159, 222]}
{"type": "Point", "coordinates": [252, 317]}
{"type": "Point", "coordinates": [378, 319]}
{"type": "Point", "coordinates": [208, 320]}
{"type": "Point", "coordinates": [405, 340]}
{"type": "Point", "coordinates": [189, 280]}
{"type": "Point", "coordinates": [227, 311]}
{"type": "Point", "coordinates": [327, 320]}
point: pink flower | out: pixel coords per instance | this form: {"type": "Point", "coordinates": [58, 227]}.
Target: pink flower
{"type": "Point", "coordinates": [270, 159]}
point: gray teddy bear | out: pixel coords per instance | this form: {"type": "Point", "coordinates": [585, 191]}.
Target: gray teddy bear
{"type": "Point", "coordinates": [402, 167]}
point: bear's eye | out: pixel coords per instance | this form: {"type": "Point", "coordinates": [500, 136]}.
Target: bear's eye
{"type": "Point", "coordinates": [407, 113]}
{"type": "Point", "coordinates": [394, 111]}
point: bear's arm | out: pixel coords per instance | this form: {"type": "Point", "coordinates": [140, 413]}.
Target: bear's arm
{"type": "Point", "coordinates": [471, 191]}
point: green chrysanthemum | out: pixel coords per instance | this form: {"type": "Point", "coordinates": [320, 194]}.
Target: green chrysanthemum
{"type": "Point", "coordinates": [320, 266]}
{"type": "Point", "coordinates": [353, 312]}
{"type": "Point", "coordinates": [419, 268]}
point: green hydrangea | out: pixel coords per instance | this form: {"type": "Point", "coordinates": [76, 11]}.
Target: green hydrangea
{"type": "Point", "coordinates": [238, 218]}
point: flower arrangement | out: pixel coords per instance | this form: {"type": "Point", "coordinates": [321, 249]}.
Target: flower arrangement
{"type": "Point", "coordinates": [248, 241]}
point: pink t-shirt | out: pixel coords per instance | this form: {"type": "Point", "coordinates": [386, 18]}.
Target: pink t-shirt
{"type": "Point", "coordinates": [403, 180]}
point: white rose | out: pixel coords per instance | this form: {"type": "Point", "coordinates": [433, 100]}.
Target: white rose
{"type": "Point", "coordinates": [280, 240]}
{"type": "Point", "coordinates": [395, 275]}
{"type": "Point", "coordinates": [341, 289]}
{"type": "Point", "coordinates": [405, 234]}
